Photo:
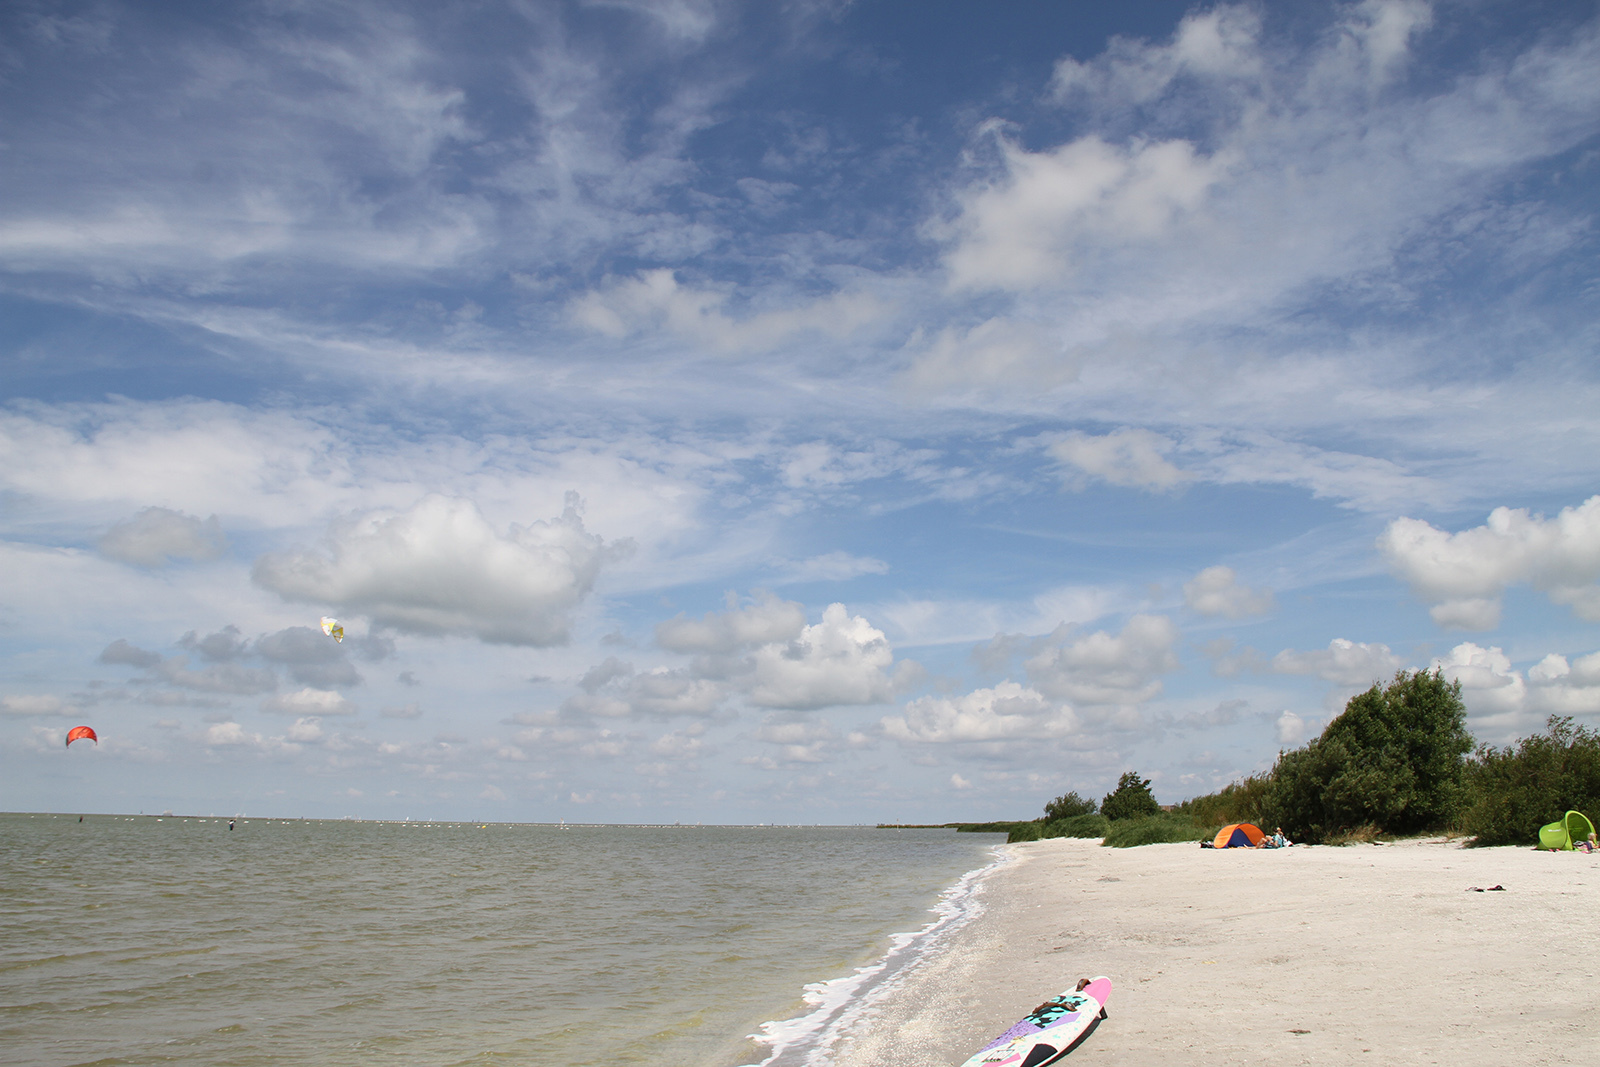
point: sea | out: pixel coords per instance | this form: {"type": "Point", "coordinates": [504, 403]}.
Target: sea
{"type": "Point", "coordinates": [177, 940]}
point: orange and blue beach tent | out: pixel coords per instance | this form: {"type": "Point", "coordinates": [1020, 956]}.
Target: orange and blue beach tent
{"type": "Point", "coordinates": [1238, 835]}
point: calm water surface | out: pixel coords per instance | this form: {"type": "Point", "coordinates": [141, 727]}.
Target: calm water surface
{"type": "Point", "coordinates": [171, 941]}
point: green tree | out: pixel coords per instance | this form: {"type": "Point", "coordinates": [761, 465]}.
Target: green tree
{"type": "Point", "coordinates": [1131, 799]}
{"type": "Point", "coordinates": [1067, 806]}
{"type": "Point", "coordinates": [1393, 759]}
{"type": "Point", "coordinates": [1514, 791]}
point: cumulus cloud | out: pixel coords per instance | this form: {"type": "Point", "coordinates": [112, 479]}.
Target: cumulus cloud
{"type": "Point", "coordinates": [1217, 591]}
{"type": "Point", "coordinates": [1290, 729]}
{"type": "Point", "coordinates": [612, 689]}
{"type": "Point", "coordinates": [157, 536]}
{"type": "Point", "coordinates": [309, 702]}
{"type": "Point", "coordinates": [767, 620]}
{"type": "Point", "coordinates": [310, 657]}
{"type": "Point", "coordinates": [1343, 662]}
{"type": "Point", "coordinates": [1463, 575]}
{"type": "Point", "coordinates": [440, 568]}
{"type": "Point", "coordinates": [1006, 712]}
{"type": "Point", "coordinates": [799, 740]}
{"type": "Point", "coordinates": [842, 659]}
{"type": "Point", "coordinates": [1489, 685]}
{"type": "Point", "coordinates": [1129, 457]}
{"type": "Point", "coordinates": [1101, 668]}
{"type": "Point", "coordinates": [122, 653]}
{"type": "Point", "coordinates": [1023, 230]}
{"type": "Point", "coordinates": [1497, 692]}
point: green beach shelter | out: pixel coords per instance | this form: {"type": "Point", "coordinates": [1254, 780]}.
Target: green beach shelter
{"type": "Point", "coordinates": [1573, 826]}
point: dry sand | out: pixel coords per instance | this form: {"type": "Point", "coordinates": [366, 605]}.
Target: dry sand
{"type": "Point", "coordinates": [1378, 953]}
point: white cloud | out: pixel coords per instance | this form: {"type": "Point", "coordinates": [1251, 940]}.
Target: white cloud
{"type": "Point", "coordinates": [1463, 575]}
{"type": "Point", "coordinates": [1560, 688]}
{"type": "Point", "coordinates": [655, 300]}
{"type": "Point", "coordinates": [1488, 684]}
{"type": "Point", "coordinates": [1343, 662]}
{"type": "Point", "coordinates": [157, 536]}
{"type": "Point", "coordinates": [1220, 43]}
{"type": "Point", "coordinates": [440, 568]}
{"type": "Point", "coordinates": [306, 729]}
{"type": "Point", "coordinates": [767, 620]}
{"type": "Point", "coordinates": [1105, 669]}
{"type": "Point", "coordinates": [35, 704]}
{"type": "Point", "coordinates": [842, 659]}
{"type": "Point", "coordinates": [997, 350]}
{"type": "Point", "coordinates": [1025, 229]}
{"type": "Point", "coordinates": [1006, 712]}
{"type": "Point", "coordinates": [799, 740]}
{"type": "Point", "coordinates": [1130, 457]}
{"type": "Point", "coordinates": [1290, 729]}
{"type": "Point", "coordinates": [309, 702]}
{"type": "Point", "coordinates": [834, 567]}
{"type": "Point", "coordinates": [1217, 591]}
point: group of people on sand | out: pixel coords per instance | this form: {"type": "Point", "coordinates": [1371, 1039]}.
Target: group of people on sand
{"type": "Point", "coordinates": [1273, 840]}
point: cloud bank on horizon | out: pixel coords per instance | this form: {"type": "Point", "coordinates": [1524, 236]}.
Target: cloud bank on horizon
{"type": "Point", "coordinates": [740, 412]}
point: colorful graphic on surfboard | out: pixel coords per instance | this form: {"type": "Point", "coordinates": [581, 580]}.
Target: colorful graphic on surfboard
{"type": "Point", "coordinates": [1049, 1031]}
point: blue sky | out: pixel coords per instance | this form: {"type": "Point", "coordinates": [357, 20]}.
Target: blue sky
{"type": "Point", "coordinates": [815, 412]}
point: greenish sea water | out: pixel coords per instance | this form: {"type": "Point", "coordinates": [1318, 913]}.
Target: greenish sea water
{"type": "Point", "coordinates": [138, 940]}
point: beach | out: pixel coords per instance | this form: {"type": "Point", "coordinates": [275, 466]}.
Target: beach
{"type": "Point", "coordinates": [1372, 954]}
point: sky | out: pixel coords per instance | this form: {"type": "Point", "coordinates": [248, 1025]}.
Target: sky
{"type": "Point", "coordinates": [792, 411]}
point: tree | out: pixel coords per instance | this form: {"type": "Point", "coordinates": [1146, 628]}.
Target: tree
{"type": "Point", "coordinates": [1393, 760]}
{"type": "Point", "coordinates": [1131, 799]}
{"type": "Point", "coordinates": [1517, 790]}
{"type": "Point", "coordinates": [1067, 806]}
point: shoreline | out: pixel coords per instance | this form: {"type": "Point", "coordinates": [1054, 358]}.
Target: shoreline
{"type": "Point", "coordinates": [836, 1007]}
{"type": "Point", "coordinates": [1313, 955]}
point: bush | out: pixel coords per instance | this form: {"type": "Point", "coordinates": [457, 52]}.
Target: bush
{"type": "Point", "coordinates": [1393, 759]}
{"type": "Point", "coordinates": [1241, 801]}
{"type": "Point", "coordinates": [1092, 824]}
{"type": "Point", "coordinates": [990, 827]}
{"type": "Point", "coordinates": [1514, 791]}
{"type": "Point", "coordinates": [1024, 831]}
{"type": "Point", "coordinates": [1131, 799]}
{"type": "Point", "coordinates": [1153, 830]}
{"type": "Point", "coordinates": [1068, 806]}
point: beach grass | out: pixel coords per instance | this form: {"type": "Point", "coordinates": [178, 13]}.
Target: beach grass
{"type": "Point", "coordinates": [1153, 830]}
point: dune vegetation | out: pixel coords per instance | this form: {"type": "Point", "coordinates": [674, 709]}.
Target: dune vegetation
{"type": "Point", "coordinates": [1397, 761]}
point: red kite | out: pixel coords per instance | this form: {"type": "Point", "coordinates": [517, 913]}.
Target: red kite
{"type": "Point", "coordinates": [78, 733]}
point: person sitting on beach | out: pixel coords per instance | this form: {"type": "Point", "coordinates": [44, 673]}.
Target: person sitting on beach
{"type": "Point", "coordinates": [1590, 845]}
{"type": "Point", "coordinates": [1277, 836]}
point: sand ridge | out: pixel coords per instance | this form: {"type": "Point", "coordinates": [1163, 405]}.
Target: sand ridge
{"type": "Point", "coordinates": [1380, 954]}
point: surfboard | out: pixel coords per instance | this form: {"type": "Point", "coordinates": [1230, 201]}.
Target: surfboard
{"type": "Point", "coordinates": [1049, 1031]}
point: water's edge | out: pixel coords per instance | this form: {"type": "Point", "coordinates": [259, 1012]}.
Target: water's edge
{"type": "Point", "coordinates": [837, 1006]}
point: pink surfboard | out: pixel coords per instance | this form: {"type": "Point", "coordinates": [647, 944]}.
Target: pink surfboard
{"type": "Point", "coordinates": [1049, 1031]}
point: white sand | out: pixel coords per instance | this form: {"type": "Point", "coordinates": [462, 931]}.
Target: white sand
{"type": "Point", "coordinates": [1217, 957]}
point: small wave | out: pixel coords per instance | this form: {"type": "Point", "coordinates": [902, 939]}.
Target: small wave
{"type": "Point", "coordinates": [835, 1007]}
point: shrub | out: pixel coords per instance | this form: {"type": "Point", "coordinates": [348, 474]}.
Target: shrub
{"type": "Point", "coordinates": [1514, 791]}
{"type": "Point", "coordinates": [1067, 806]}
{"type": "Point", "coordinates": [1131, 799]}
{"type": "Point", "coordinates": [990, 827]}
{"type": "Point", "coordinates": [1241, 801]}
{"type": "Point", "coordinates": [1024, 831]}
{"type": "Point", "coordinates": [1091, 824]}
{"type": "Point", "coordinates": [1393, 759]}
{"type": "Point", "coordinates": [1153, 830]}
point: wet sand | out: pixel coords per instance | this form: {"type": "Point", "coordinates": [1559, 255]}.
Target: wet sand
{"type": "Point", "coordinates": [1368, 954]}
